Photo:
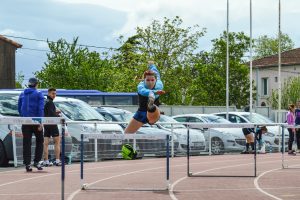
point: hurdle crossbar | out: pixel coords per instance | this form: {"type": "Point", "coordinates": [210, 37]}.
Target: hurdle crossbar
{"type": "Point", "coordinates": [284, 163]}
{"type": "Point", "coordinates": [85, 186]}
{"type": "Point", "coordinates": [191, 174]}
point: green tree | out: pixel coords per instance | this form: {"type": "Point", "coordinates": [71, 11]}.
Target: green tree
{"type": "Point", "coordinates": [211, 72]}
{"type": "Point", "coordinates": [19, 79]}
{"type": "Point", "coordinates": [266, 46]}
{"type": "Point", "coordinates": [290, 93]}
{"type": "Point", "coordinates": [171, 46]}
{"type": "Point", "coordinates": [71, 66]}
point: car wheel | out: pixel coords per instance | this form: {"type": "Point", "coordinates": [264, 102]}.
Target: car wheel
{"type": "Point", "coordinates": [217, 146]}
{"type": "Point", "coordinates": [3, 158]}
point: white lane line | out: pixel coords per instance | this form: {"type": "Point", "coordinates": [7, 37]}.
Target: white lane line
{"type": "Point", "coordinates": [132, 172]}
{"type": "Point", "coordinates": [52, 174]}
{"type": "Point", "coordinates": [124, 174]}
{"type": "Point", "coordinates": [171, 191]}
{"type": "Point", "coordinates": [263, 191]}
{"type": "Point", "coordinates": [30, 194]}
{"type": "Point", "coordinates": [234, 189]}
{"type": "Point", "coordinates": [260, 189]}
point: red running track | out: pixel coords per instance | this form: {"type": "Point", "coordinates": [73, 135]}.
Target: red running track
{"type": "Point", "coordinates": [272, 181]}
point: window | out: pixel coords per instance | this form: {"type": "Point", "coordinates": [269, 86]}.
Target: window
{"type": "Point", "coordinates": [264, 86]}
{"type": "Point", "coordinates": [180, 119]}
{"type": "Point", "coordinates": [276, 79]}
{"type": "Point", "coordinates": [194, 119]}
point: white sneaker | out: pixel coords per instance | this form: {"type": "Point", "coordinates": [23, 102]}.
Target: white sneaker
{"type": "Point", "coordinates": [47, 163]}
{"type": "Point", "coordinates": [57, 163]}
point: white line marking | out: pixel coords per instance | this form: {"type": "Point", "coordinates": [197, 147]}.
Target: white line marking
{"type": "Point", "coordinates": [208, 162]}
{"type": "Point", "coordinates": [171, 191]}
{"type": "Point", "coordinates": [36, 177]}
{"type": "Point", "coordinates": [260, 189]}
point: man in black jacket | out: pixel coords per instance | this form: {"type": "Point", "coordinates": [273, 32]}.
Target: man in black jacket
{"type": "Point", "coordinates": [51, 130]}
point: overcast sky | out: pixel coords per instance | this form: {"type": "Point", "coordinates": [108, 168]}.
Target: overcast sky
{"type": "Point", "coordinates": [100, 22]}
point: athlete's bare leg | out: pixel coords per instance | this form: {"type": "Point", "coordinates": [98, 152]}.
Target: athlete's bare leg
{"type": "Point", "coordinates": [133, 126]}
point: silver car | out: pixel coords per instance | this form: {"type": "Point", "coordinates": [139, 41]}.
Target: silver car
{"type": "Point", "coordinates": [75, 110]}
{"type": "Point", "coordinates": [272, 138]}
{"type": "Point", "coordinates": [197, 140]}
{"type": "Point", "coordinates": [222, 139]}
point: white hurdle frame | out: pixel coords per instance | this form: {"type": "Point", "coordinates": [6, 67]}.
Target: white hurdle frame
{"type": "Point", "coordinates": [85, 186]}
{"type": "Point", "coordinates": [285, 165]}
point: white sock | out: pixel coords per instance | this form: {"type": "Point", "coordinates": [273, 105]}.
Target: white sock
{"type": "Point", "coordinates": [57, 160]}
{"type": "Point", "coordinates": [46, 161]}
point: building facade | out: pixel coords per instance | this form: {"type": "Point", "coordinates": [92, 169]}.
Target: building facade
{"type": "Point", "coordinates": [8, 62]}
{"type": "Point", "coordinates": [265, 73]}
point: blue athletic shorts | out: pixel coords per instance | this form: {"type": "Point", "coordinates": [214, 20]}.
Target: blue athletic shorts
{"type": "Point", "coordinates": [141, 116]}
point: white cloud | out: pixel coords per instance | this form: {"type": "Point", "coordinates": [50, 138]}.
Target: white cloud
{"type": "Point", "coordinates": [210, 14]}
{"type": "Point", "coordinates": [16, 33]}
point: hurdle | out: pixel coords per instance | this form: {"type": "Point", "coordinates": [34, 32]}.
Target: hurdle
{"type": "Point", "coordinates": [12, 121]}
{"type": "Point", "coordinates": [214, 125]}
{"type": "Point", "coordinates": [284, 163]}
{"type": "Point", "coordinates": [85, 186]}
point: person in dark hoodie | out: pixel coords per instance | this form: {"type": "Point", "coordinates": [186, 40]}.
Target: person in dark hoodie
{"type": "Point", "coordinates": [51, 130]}
{"type": "Point", "coordinates": [31, 104]}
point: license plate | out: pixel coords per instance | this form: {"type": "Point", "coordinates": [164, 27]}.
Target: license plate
{"type": "Point", "coordinates": [116, 142]}
{"type": "Point", "coordinates": [197, 144]}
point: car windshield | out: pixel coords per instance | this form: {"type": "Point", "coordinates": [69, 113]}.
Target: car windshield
{"type": "Point", "coordinates": [164, 118]}
{"type": "Point", "coordinates": [257, 118]}
{"type": "Point", "coordinates": [78, 111]}
{"type": "Point", "coordinates": [123, 117]}
{"type": "Point", "coordinates": [215, 119]}
{"type": "Point", "coordinates": [9, 104]}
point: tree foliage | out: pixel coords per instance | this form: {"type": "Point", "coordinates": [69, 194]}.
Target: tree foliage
{"type": "Point", "coordinates": [266, 46]}
{"type": "Point", "coordinates": [290, 93]}
{"type": "Point", "coordinates": [190, 76]}
{"type": "Point", "coordinates": [212, 72]}
{"type": "Point", "coordinates": [171, 46]}
{"type": "Point", "coordinates": [71, 66]}
{"type": "Point", "coordinates": [19, 79]}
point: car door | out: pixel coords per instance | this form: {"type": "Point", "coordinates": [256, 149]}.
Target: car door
{"type": "Point", "coordinates": [236, 119]}
{"type": "Point", "coordinates": [181, 119]}
{"type": "Point", "coordinates": [195, 120]}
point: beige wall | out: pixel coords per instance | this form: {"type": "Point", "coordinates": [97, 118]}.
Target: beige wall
{"type": "Point", "coordinates": [271, 73]}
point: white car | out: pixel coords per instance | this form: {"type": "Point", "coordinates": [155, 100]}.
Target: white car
{"type": "Point", "coordinates": [222, 139]}
{"type": "Point", "coordinates": [197, 140]}
{"type": "Point", "coordinates": [77, 110]}
{"type": "Point", "coordinates": [272, 137]}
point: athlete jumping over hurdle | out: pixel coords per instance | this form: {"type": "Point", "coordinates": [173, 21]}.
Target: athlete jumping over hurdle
{"type": "Point", "coordinates": [149, 91]}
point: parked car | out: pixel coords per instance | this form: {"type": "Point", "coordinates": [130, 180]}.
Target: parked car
{"type": "Point", "coordinates": [197, 141]}
{"type": "Point", "coordinates": [222, 139]}
{"type": "Point", "coordinates": [9, 108]}
{"type": "Point", "coordinates": [76, 110]}
{"type": "Point", "coordinates": [272, 137]}
{"type": "Point", "coordinates": [147, 148]}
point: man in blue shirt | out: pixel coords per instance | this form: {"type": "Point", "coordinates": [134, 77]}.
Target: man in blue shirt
{"type": "Point", "coordinates": [31, 104]}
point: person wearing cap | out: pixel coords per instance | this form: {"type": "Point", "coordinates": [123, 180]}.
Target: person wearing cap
{"type": "Point", "coordinates": [31, 104]}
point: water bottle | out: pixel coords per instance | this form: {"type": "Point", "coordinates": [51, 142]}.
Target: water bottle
{"type": "Point", "coordinates": [270, 149]}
